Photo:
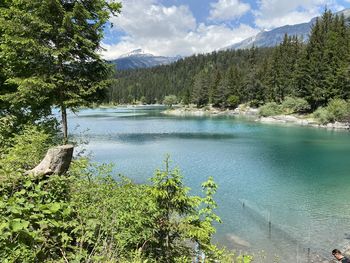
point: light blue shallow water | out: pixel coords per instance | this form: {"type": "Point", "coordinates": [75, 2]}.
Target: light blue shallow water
{"type": "Point", "coordinates": [297, 178]}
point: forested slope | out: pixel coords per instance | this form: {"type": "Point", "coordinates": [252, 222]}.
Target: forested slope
{"type": "Point", "coordinates": [317, 71]}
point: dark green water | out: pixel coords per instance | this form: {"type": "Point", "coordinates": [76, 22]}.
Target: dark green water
{"type": "Point", "coordinates": [296, 178]}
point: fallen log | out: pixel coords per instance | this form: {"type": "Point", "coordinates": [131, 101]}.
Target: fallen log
{"type": "Point", "coordinates": [56, 161]}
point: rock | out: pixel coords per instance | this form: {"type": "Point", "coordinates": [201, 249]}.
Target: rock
{"type": "Point", "coordinates": [238, 240]}
{"type": "Point", "coordinates": [245, 111]}
{"type": "Point", "coordinates": [336, 126]}
{"type": "Point", "coordinates": [56, 161]}
{"type": "Point", "coordinates": [303, 122]}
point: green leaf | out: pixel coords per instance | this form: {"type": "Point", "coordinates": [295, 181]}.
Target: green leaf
{"type": "Point", "coordinates": [18, 225]}
{"type": "Point", "coordinates": [54, 207]}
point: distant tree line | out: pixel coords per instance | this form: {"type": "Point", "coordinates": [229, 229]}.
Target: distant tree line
{"type": "Point", "coordinates": [317, 71]}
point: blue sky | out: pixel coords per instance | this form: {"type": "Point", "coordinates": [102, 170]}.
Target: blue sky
{"type": "Point", "coordinates": [185, 27]}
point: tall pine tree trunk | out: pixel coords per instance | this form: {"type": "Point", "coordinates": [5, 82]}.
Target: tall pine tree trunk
{"type": "Point", "coordinates": [64, 124]}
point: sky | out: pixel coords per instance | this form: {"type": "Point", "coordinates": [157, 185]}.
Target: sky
{"type": "Point", "coordinates": [186, 27]}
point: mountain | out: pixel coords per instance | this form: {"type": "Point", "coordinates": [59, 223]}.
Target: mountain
{"type": "Point", "coordinates": [275, 36]}
{"type": "Point", "coordinates": [139, 59]}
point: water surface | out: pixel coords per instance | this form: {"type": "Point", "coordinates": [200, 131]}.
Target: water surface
{"type": "Point", "coordinates": [297, 178]}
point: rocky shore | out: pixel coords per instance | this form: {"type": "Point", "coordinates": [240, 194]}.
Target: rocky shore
{"type": "Point", "coordinates": [211, 111]}
{"type": "Point", "coordinates": [303, 121]}
{"type": "Point", "coordinates": [300, 120]}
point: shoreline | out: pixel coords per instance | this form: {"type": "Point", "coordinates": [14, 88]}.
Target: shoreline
{"type": "Point", "coordinates": [295, 120]}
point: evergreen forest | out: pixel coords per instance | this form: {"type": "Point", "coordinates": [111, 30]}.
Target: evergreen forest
{"type": "Point", "coordinates": [317, 71]}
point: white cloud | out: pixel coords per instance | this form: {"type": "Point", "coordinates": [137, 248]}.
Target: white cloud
{"type": "Point", "coordinates": [228, 9]}
{"type": "Point", "coordinates": [275, 13]}
{"type": "Point", "coordinates": [144, 18]}
{"type": "Point", "coordinates": [169, 31]}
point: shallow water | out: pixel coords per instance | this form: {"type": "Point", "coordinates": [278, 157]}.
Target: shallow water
{"type": "Point", "coordinates": [297, 178]}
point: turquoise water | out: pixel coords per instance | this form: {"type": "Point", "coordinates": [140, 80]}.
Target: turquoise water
{"type": "Point", "coordinates": [297, 178]}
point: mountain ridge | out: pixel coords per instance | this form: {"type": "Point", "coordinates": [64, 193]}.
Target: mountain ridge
{"type": "Point", "coordinates": [275, 36]}
{"type": "Point", "coordinates": [139, 59]}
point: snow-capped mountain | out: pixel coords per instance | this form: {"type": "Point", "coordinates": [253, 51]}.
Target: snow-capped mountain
{"type": "Point", "coordinates": [137, 52]}
{"type": "Point", "coordinates": [275, 36]}
{"type": "Point", "coordinates": [139, 59]}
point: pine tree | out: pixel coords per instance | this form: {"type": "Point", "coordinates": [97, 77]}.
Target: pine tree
{"type": "Point", "coordinates": [282, 68]}
{"type": "Point", "coordinates": [50, 50]}
{"type": "Point", "coordinates": [214, 87]}
{"type": "Point", "coordinates": [200, 94]}
{"type": "Point", "coordinates": [235, 78]}
{"type": "Point", "coordinates": [253, 87]}
{"type": "Point", "coordinates": [323, 72]}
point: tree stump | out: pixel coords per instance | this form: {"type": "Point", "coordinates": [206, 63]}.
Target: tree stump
{"type": "Point", "coordinates": [56, 161]}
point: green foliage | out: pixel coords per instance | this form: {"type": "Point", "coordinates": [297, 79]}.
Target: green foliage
{"type": "Point", "coordinates": [270, 109]}
{"type": "Point", "coordinates": [283, 64]}
{"type": "Point", "coordinates": [229, 257]}
{"type": "Point", "coordinates": [180, 218]}
{"type": "Point", "coordinates": [336, 110]}
{"type": "Point", "coordinates": [288, 106]}
{"type": "Point", "coordinates": [324, 71]}
{"type": "Point", "coordinates": [160, 221]}
{"type": "Point", "coordinates": [232, 101]}
{"type": "Point", "coordinates": [322, 115]}
{"type": "Point", "coordinates": [27, 149]}
{"type": "Point", "coordinates": [295, 105]}
{"type": "Point", "coordinates": [244, 259]}
{"type": "Point", "coordinates": [200, 93]}
{"type": "Point", "coordinates": [170, 100]}
{"type": "Point", "coordinates": [7, 129]}
{"type": "Point", "coordinates": [36, 219]}
{"type": "Point", "coordinates": [114, 217]}
{"type": "Point", "coordinates": [49, 52]}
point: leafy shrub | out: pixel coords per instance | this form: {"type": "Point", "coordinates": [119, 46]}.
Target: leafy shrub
{"type": "Point", "coordinates": [232, 101]}
{"type": "Point", "coordinates": [35, 214]}
{"type": "Point", "coordinates": [114, 217]}
{"type": "Point", "coordinates": [337, 110]}
{"type": "Point", "coordinates": [322, 115]}
{"type": "Point", "coordinates": [295, 105]}
{"type": "Point", "coordinates": [36, 219]}
{"type": "Point", "coordinates": [270, 109]}
{"type": "Point", "coordinates": [118, 217]}
{"type": "Point", "coordinates": [28, 148]}
{"type": "Point", "coordinates": [170, 100]}
{"type": "Point", "coordinates": [7, 128]}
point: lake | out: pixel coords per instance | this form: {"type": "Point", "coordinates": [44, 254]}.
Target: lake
{"type": "Point", "coordinates": [283, 191]}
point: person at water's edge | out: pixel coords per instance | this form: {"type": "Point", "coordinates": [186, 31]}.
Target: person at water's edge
{"type": "Point", "coordinates": [339, 256]}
